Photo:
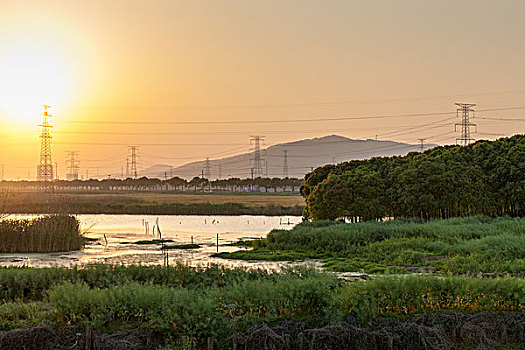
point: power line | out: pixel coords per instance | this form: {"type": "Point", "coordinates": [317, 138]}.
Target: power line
{"type": "Point", "coordinates": [146, 144]}
{"type": "Point", "coordinates": [265, 121]}
{"type": "Point", "coordinates": [260, 121]}
{"type": "Point", "coordinates": [304, 104]}
{"type": "Point", "coordinates": [234, 150]}
{"type": "Point", "coordinates": [417, 127]}
{"type": "Point", "coordinates": [504, 119]}
{"type": "Point", "coordinates": [224, 133]}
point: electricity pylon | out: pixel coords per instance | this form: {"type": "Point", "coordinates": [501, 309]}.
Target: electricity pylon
{"type": "Point", "coordinates": [207, 169]}
{"type": "Point", "coordinates": [257, 162]}
{"type": "Point", "coordinates": [133, 165]}
{"type": "Point", "coordinates": [45, 168]}
{"type": "Point", "coordinates": [421, 145]}
{"type": "Point", "coordinates": [285, 164]}
{"type": "Point", "coordinates": [465, 109]}
{"type": "Point", "coordinates": [73, 166]}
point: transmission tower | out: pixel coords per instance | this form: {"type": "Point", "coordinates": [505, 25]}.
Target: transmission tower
{"type": "Point", "coordinates": [285, 164]}
{"type": "Point", "coordinates": [45, 168]}
{"type": "Point", "coordinates": [421, 145]}
{"type": "Point", "coordinates": [72, 166]}
{"type": "Point", "coordinates": [133, 165]}
{"type": "Point", "coordinates": [207, 169]}
{"type": "Point", "coordinates": [220, 171]}
{"type": "Point", "coordinates": [465, 109]}
{"type": "Point", "coordinates": [257, 162]}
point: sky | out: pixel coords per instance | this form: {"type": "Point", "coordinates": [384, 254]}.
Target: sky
{"type": "Point", "coordinates": [186, 80]}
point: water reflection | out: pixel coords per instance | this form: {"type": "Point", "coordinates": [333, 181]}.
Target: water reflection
{"type": "Point", "coordinates": [113, 237]}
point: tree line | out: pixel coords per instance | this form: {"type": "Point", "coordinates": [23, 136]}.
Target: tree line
{"type": "Point", "coordinates": [486, 177]}
{"type": "Point", "coordinates": [197, 184]}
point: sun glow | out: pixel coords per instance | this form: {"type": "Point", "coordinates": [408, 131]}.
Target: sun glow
{"type": "Point", "coordinates": [32, 74]}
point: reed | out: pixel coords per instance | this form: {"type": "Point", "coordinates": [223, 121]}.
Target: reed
{"type": "Point", "coordinates": [46, 234]}
{"type": "Point", "coordinates": [467, 246]}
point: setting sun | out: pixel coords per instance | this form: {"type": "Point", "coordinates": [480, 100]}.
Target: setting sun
{"type": "Point", "coordinates": [32, 74]}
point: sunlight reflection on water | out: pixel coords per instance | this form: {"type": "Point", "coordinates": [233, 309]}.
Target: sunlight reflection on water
{"type": "Point", "coordinates": [113, 238]}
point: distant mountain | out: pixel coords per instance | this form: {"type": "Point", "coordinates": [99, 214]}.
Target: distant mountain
{"type": "Point", "coordinates": [303, 155]}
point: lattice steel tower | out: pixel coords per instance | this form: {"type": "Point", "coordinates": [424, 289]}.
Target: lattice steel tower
{"type": "Point", "coordinates": [45, 168]}
{"type": "Point", "coordinates": [285, 164]}
{"type": "Point", "coordinates": [421, 145]}
{"type": "Point", "coordinates": [257, 162]}
{"type": "Point", "coordinates": [465, 109]}
{"type": "Point", "coordinates": [207, 169]}
{"type": "Point", "coordinates": [72, 166]}
{"type": "Point", "coordinates": [133, 157]}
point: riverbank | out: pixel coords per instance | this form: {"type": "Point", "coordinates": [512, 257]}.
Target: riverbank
{"type": "Point", "coordinates": [257, 307]}
{"type": "Point", "coordinates": [263, 203]}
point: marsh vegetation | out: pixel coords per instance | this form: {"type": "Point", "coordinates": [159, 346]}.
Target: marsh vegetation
{"type": "Point", "coordinates": [45, 234]}
{"type": "Point", "coordinates": [199, 303]}
{"type": "Point", "coordinates": [467, 246]}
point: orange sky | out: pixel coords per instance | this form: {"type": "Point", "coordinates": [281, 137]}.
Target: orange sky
{"type": "Point", "coordinates": [252, 61]}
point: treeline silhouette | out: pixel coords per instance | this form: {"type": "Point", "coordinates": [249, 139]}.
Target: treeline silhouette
{"type": "Point", "coordinates": [486, 177]}
{"type": "Point", "coordinates": [197, 184]}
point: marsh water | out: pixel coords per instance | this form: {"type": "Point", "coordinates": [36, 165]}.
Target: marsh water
{"type": "Point", "coordinates": [113, 240]}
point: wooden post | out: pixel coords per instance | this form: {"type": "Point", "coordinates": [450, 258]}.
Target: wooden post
{"type": "Point", "coordinates": [217, 242]}
{"type": "Point", "coordinates": [300, 341]}
{"type": "Point", "coordinates": [210, 343]}
{"type": "Point", "coordinates": [87, 345]}
{"type": "Point", "coordinates": [90, 343]}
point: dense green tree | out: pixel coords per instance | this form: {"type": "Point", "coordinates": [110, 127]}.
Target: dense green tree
{"type": "Point", "coordinates": [487, 177]}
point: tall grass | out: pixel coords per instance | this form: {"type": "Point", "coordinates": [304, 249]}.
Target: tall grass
{"type": "Point", "coordinates": [50, 233]}
{"type": "Point", "coordinates": [219, 311]}
{"type": "Point", "coordinates": [422, 294]}
{"type": "Point", "coordinates": [32, 284]}
{"type": "Point", "coordinates": [458, 245]}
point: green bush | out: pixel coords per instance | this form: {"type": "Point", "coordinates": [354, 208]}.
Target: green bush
{"type": "Point", "coordinates": [410, 295]}
{"type": "Point", "coordinates": [219, 302]}
{"type": "Point", "coordinates": [211, 311]}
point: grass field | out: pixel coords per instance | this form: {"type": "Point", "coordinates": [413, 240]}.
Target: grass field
{"type": "Point", "coordinates": [259, 199]}
{"type": "Point", "coordinates": [154, 203]}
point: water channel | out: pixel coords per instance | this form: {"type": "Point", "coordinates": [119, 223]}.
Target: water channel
{"type": "Point", "coordinates": [113, 237]}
